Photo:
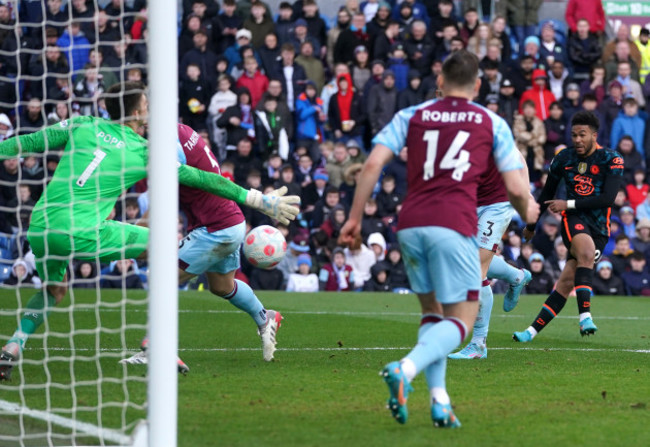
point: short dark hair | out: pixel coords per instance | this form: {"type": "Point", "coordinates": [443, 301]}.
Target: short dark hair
{"type": "Point", "coordinates": [622, 237]}
{"type": "Point", "coordinates": [122, 99]}
{"type": "Point", "coordinates": [460, 69]}
{"type": "Point", "coordinates": [489, 64]}
{"type": "Point", "coordinates": [637, 256]}
{"type": "Point", "coordinates": [630, 101]}
{"type": "Point", "coordinates": [584, 118]}
{"type": "Point", "coordinates": [589, 97]}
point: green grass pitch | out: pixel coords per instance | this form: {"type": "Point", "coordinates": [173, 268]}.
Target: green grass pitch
{"type": "Point", "coordinates": [324, 389]}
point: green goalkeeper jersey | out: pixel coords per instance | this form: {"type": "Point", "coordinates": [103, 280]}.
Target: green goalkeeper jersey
{"type": "Point", "coordinates": [101, 159]}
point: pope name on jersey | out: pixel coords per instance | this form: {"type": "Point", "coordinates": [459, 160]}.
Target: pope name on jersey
{"type": "Point", "coordinates": [584, 178]}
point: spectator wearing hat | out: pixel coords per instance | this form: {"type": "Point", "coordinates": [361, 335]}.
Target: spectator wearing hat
{"type": "Point", "coordinates": [605, 282]}
{"type": "Point", "coordinates": [377, 68]}
{"type": "Point", "coordinates": [542, 281]}
{"type": "Point", "coordinates": [641, 241]}
{"type": "Point", "coordinates": [508, 102]}
{"type": "Point", "coordinates": [303, 280]}
{"type": "Point", "coordinates": [405, 19]}
{"type": "Point", "coordinates": [643, 44]}
{"type": "Point", "coordinates": [233, 53]}
{"type": "Point", "coordinates": [382, 102]}
{"type": "Point", "coordinates": [637, 189]}
{"type": "Point", "coordinates": [343, 19]}
{"type": "Point", "coordinates": [312, 64]}
{"type": "Point", "coordinates": [378, 14]}
{"type": "Point", "coordinates": [419, 47]}
{"type": "Point", "coordinates": [530, 136]}
{"type": "Point", "coordinates": [360, 68]}
{"type": "Point", "coordinates": [22, 275]}
{"type": "Point", "coordinates": [531, 48]}
{"type": "Point", "coordinates": [355, 151]}
{"type": "Point", "coordinates": [541, 96]}
{"type": "Point", "coordinates": [349, 39]}
{"type": "Point", "coordinates": [337, 276]}
{"type": "Point", "coordinates": [314, 191]}
{"type": "Point", "coordinates": [544, 241]}
{"type": "Point", "coordinates": [418, 10]}
{"type": "Point", "coordinates": [6, 127]}
{"type": "Point", "coordinates": [385, 40]}
{"type": "Point", "coordinates": [413, 94]}
{"type": "Point", "coordinates": [380, 278]}
{"type": "Point", "coordinates": [571, 101]}
{"type": "Point", "coordinates": [398, 64]}
{"type": "Point", "coordinates": [621, 253]}
{"type": "Point", "coordinates": [583, 49]}
{"type": "Point", "coordinates": [299, 245]}
{"type": "Point", "coordinates": [637, 278]}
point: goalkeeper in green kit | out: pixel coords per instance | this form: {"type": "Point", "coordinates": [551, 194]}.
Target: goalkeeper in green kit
{"type": "Point", "coordinates": [101, 159]}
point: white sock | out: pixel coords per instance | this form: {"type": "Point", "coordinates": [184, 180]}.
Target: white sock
{"type": "Point", "coordinates": [408, 368]}
{"type": "Point", "coordinates": [532, 331]}
{"type": "Point", "coordinates": [584, 315]}
{"type": "Point", "coordinates": [440, 395]}
{"type": "Point", "coordinates": [520, 276]}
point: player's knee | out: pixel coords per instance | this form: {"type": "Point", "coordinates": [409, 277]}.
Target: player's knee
{"type": "Point", "coordinates": [586, 257]}
{"type": "Point", "coordinates": [220, 290]}
{"type": "Point", "coordinates": [58, 292]}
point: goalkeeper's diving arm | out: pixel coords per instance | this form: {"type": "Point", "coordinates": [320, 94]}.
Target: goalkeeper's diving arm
{"type": "Point", "coordinates": [51, 137]}
{"type": "Point", "coordinates": [276, 204]}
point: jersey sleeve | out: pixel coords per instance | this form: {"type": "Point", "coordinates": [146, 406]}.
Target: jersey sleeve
{"type": "Point", "coordinates": [393, 135]}
{"type": "Point", "coordinates": [52, 137]}
{"type": "Point", "coordinates": [182, 158]}
{"type": "Point", "coordinates": [616, 165]}
{"type": "Point", "coordinates": [504, 150]}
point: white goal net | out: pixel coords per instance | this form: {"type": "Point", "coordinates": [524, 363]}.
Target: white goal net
{"type": "Point", "coordinates": [62, 382]}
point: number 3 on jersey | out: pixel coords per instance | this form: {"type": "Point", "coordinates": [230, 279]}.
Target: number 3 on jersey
{"type": "Point", "coordinates": [455, 158]}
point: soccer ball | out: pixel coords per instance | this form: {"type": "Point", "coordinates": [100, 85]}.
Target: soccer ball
{"type": "Point", "coordinates": [265, 246]}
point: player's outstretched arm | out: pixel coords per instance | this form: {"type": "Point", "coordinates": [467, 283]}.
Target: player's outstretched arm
{"type": "Point", "coordinates": [276, 205]}
{"type": "Point", "coordinates": [519, 194]}
{"type": "Point", "coordinates": [378, 158]}
{"type": "Point", "coordinates": [52, 137]}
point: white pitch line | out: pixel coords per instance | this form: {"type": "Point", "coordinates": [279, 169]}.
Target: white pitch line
{"type": "Point", "coordinates": [79, 427]}
{"type": "Point", "coordinates": [366, 348]}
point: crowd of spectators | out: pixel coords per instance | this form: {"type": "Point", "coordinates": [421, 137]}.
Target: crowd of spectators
{"type": "Point", "coordinates": [289, 97]}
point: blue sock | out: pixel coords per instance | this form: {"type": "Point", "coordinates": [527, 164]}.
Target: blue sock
{"type": "Point", "coordinates": [437, 342]}
{"type": "Point", "coordinates": [437, 371]}
{"type": "Point", "coordinates": [243, 297]}
{"type": "Point", "coordinates": [482, 323]}
{"type": "Point", "coordinates": [500, 269]}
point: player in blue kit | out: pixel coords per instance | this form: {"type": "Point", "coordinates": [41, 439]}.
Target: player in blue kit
{"type": "Point", "coordinates": [593, 177]}
{"type": "Point", "coordinates": [450, 141]}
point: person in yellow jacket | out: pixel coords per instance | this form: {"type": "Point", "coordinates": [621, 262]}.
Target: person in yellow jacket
{"type": "Point", "coordinates": [643, 44]}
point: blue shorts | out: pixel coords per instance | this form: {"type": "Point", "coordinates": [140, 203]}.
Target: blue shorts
{"type": "Point", "coordinates": [443, 261]}
{"type": "Point", "coordinates": [493, 221]}
{"type": "Point", "coordinates": [201, 252]}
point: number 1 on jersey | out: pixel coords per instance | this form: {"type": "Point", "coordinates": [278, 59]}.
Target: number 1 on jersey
{"type": "Point", "coordinates": [83, 178]}
{"type": "Point", "coordinates": [455, 158]}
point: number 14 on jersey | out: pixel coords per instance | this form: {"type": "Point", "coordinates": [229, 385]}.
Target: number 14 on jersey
{"type": "Point", "coordinates": [455, 158]}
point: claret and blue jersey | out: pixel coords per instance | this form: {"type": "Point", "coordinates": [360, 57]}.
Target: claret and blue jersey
{"type": "Point", "coordinates": [450, 142]}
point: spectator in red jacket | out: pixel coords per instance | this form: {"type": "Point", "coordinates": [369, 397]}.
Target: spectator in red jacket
{"type": "Point", "coordinates": [539, 94]}
{"type": "Point", "coordinates": [253, 80]}
{"type": "Point", "coordinates": [592, 10]}
{"type": "Point", "coordinates": [337, 275]}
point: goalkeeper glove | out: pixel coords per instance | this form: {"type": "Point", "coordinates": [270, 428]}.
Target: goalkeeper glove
{"type": "Point", "coordinates": [275, 204]}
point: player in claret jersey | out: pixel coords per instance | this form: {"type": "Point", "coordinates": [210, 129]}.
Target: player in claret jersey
{"type": "Point", "coordinates": [450, 141]}
{"type": "Point", "coordinates": [101, 158]}
{"type": "Point", "coordinates": [593, 176]}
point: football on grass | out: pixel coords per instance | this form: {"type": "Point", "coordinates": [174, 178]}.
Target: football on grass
{"type": "Point", "coordinates": [264, 246]}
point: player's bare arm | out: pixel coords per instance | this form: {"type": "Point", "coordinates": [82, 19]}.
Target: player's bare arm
{"type": "Point", "coordinates": [519, 194]}
{"type": "Point", "coordinates": [379, 157]}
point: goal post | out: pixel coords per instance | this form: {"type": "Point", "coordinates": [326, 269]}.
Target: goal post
{"type": "Point", "coordinates": [163, 242]}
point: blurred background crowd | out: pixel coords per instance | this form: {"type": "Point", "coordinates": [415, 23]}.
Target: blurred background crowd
{"type": "Point", "coordinates": [285, 95]}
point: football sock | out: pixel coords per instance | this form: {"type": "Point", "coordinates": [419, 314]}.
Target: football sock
{"type": "Point", "coordinates": [437, 342]}
{"type": "Point", "coordinates": [500, 269]}
{"type": "Point", "coordinates": [583, 281]}
{"type": "Point", "coordinates": [427, 321]}
{"type": "Point", "coordinates": [482, 323]}
{"type": "Point", "coordinates": [553, 305]}
{"type": "Point", "coordinates": [435, 373]}
{"type": "Point", "coordinates": [33, 317]}
{"type": "Point", "coordinates": [243, 297]}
